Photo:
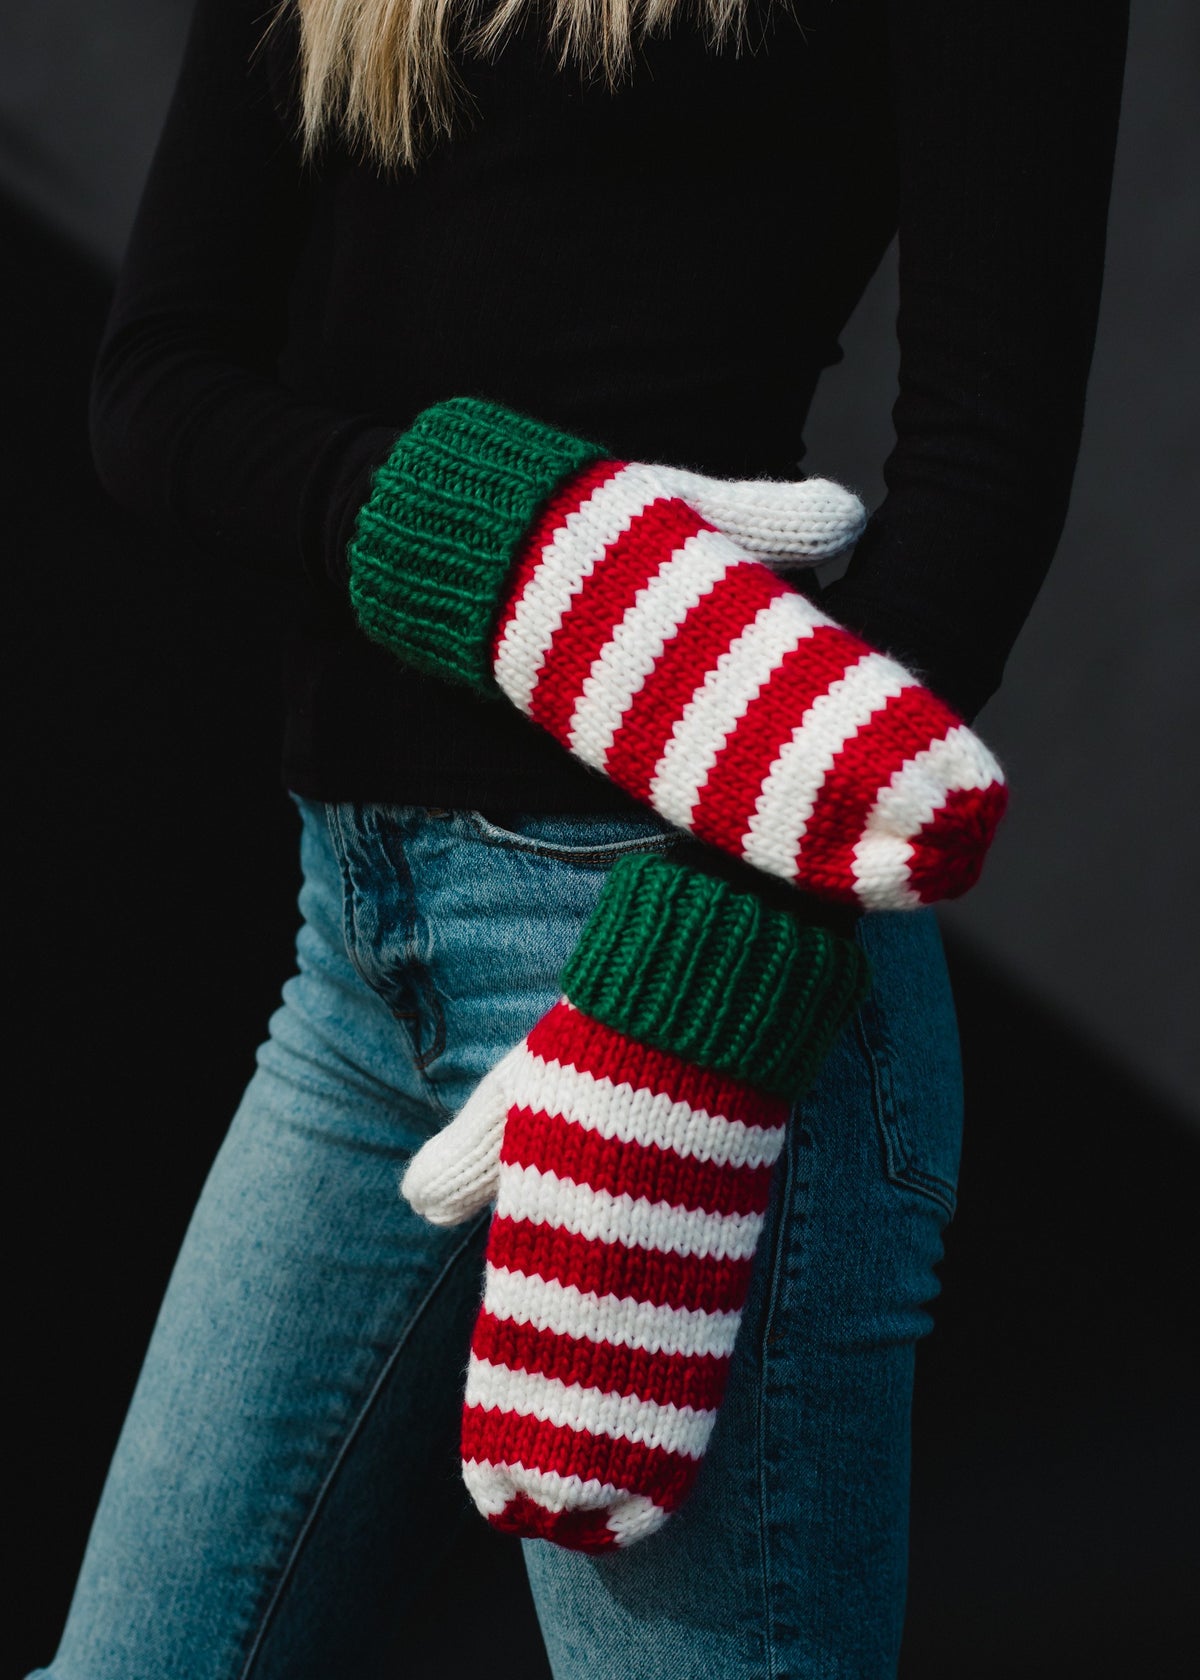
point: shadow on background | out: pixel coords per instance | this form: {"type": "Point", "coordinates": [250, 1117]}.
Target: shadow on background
{"type": "Point", "coordinates": [153, 910]}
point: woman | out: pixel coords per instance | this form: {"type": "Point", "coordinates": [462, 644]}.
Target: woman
{"type": "Point", "coordinates": [664, 263]}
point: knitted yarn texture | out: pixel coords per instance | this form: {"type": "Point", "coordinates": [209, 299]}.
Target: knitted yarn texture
{"type": "Point", "coordinates": [665, 655]}
{"type": "Point", "coordinates": [434, 544]}
{"type": "Point", "coordinates": [632, 1192]}
{"type": "Point", "coordinates": [631, 1176]}
{"type": "Point", "coordinates": [687, 964]}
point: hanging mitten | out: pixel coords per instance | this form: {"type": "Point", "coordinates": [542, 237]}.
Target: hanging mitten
{"type": "Point", "coordinates": [600, 600]}
{"type": "Point", "coordinates": [628, 1143]}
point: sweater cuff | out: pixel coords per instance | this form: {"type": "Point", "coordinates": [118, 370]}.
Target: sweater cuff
{"type": "Point", "coordinates": [436, 540]}
{"type": "Point", "coordinates": [683, 962]}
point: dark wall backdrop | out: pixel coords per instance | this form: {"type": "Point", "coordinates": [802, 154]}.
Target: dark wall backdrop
{"type": "Point", "coordinates": [1091, 898]}
{"type": "Point", "coordinates": [151, 915]}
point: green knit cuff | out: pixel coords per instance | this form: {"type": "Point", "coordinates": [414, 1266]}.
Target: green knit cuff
{"type": "Point", "coordinates": [435, 541]}
{"type": "Point", "coordinates": [684, 962]}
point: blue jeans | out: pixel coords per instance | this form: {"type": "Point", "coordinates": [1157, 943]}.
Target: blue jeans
{"type": "Point", "coordinates": [287, 1477]}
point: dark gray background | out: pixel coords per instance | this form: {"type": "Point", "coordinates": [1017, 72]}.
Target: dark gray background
{"type": "Point", "coordinates": [1089, 899]}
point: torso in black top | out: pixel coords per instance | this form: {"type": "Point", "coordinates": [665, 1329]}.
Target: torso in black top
{"type": "Point", "coordinates": [665, 269]}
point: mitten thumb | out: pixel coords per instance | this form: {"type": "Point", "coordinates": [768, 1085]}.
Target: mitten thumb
{"type": "Point", "coordinates": [454, 1175]}
{"type": "Point", "coordinates": [779, 521]}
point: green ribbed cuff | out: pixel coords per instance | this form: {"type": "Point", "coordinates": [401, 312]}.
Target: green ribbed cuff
{"type": "Point", "coordinates": [435, 541]}
{"type": "Point", "coordinates": [684, 962]}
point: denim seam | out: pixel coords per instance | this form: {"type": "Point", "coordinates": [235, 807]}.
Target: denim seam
{"type": "Point", "coordinates": [774, 1284]}
{"type": "Point", "coordinates": [346, 1443]}
{"type": "Point", "coordinates": [897, 1162]}
{"type": "Point", "coordinates": [341, 850]}
{"type": "Point", "coordinates": [404, 1019]}
{"type": "Point", "coordinates": [423, 984]}
{"type": "Point", "coordinates": [593, 857]}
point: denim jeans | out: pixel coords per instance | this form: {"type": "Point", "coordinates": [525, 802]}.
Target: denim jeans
{"type": "Point", "coordinates": [287, 1477]}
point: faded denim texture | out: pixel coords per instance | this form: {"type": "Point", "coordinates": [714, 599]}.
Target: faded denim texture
{"type": "Point", "coordinates": [287, 1478]}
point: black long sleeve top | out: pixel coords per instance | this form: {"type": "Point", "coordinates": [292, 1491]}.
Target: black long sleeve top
{"type": "Point", "coordinates": [665, 269]}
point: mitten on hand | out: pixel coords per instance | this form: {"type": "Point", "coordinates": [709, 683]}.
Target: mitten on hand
{"type": "Point", "coordinates": [628, 1143]}
{"type": "Point", "coordinates": [600, 600]}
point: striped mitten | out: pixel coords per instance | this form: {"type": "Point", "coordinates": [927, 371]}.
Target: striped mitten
{"type": "Point", "coordinates": [598, 597]}
{"type": "Point", "coordinates": [628, 1143]}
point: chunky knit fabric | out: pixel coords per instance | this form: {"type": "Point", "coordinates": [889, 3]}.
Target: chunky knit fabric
{"type": "Point", "coordinates": [659, 651]}
{"type": "Point", "coordinates": [632, 1191]}
{"type": "Point", "coordinates": [631, 1185]}
{"type": "Point", "coordinates": [435, 542]}
{"type": "Point", "coordinates": [452, 505]}
{"type": "Point", "coordinates": [684, 963]}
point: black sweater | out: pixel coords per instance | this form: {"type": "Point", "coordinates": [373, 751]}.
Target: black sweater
{"type": "Point", "coordinates": [666, 270]}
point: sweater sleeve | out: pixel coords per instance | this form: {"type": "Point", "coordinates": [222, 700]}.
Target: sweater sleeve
{"type": "Point", "coordinates": [1006, 118]}
{"type": "Point", "coordinates": [191, 427]}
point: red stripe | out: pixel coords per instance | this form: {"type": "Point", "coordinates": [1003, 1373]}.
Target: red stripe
{"type": "Point", "coordinates": [606, 596]}
{"type": "Point", "coordinates": [904, 726]}
{"type": "Point", "coordinates": [578, 1531]}
{"type": "Point", "coordinates": [566, 1035]}
{"type": "Point", "coordinates": [569, 496]}
{"type": "Point", "coordinates": [948, 852]}
{"type": "Point", "coordinates": [730, 793]}
{"type": "Point", "coordinates": [496, 1437]}
{"type": "Point", "coordinates": [534, 1138]}
{"type": "Point", "coordinates": [705, 633]}
{"type": "Point", "coordinates": [669, 1379]}
{"type": "Point", "coordinates": [631, 1274]}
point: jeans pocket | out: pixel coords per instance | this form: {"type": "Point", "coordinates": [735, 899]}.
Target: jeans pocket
{"type": "Point", "coordinates": [590, 842]}
{"type": "Point", "coordinates": [909, 1036]}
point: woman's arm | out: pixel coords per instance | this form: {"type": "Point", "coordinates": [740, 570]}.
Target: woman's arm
{"type": "Point", "coordinates": [190, 425]}
{"type": "Point", "coordinates": [1006, 114]}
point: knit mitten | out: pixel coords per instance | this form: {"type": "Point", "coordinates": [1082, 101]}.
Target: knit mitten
{"type": "Point", "coordinates": [604, 604]}
{"type": "Point", "coordinates": [628, 1143]}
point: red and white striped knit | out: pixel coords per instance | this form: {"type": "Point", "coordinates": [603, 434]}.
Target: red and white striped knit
{"type": "Point", "coordinates": [632, 1188]}
{"type": "Point", "coordinates": [660, 652]}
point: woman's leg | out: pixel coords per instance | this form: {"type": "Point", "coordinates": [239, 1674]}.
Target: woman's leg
{"type": "Point", "coordinates": [789, 1560]}
{"type": "Point", "coordinates": [304, 1297]}
{"type": "Point", "coordinates": [288, 1474]}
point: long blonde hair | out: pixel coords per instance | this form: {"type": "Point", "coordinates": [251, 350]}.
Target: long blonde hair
{"type": "Point", "coordinates": [382, 72]}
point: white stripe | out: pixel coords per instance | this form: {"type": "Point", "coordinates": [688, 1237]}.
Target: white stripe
{"type": "Point", "coordinates": [635, 1221]}
{"type": "Point", "coordinates": [791, 786]}
{"type": "Point", "coordinates": [619, 1417]}
{"type": "Point", "coordinates": [638, 1115]}
{"type": "Point", "coordinates": [567, 1311]}
{"type": "Point", "coordinates": [631, 1516]}
{"type": "Point", "coordinates": [567, 560]}
{"type": "Point", "coordinates": [492, 1487]}
{"type": "Point", "coordinates": [634, 1518]}
{"type": "Point", "coordinates": [881, 869]}
{"type": "Point", "coordinates": [719, 703]}
{"type": "Point", "coordinates": [637, 642]}
{"type": "Point", "coordinates": [918, 790]}
{"type": "Point", "coordinates": [910, 800]}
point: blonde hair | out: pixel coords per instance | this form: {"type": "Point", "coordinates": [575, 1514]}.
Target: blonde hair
{"type": "Point", "coordinates": [382, 72]}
